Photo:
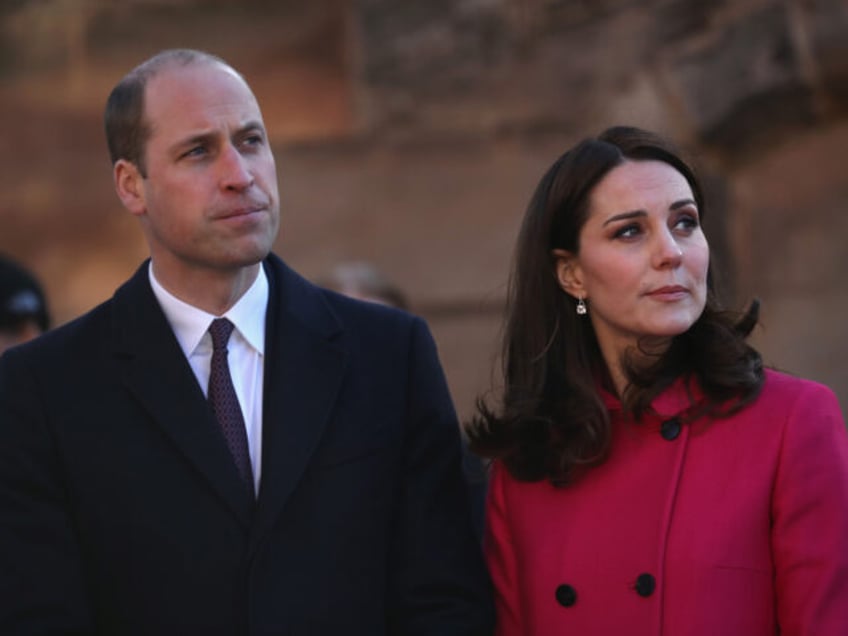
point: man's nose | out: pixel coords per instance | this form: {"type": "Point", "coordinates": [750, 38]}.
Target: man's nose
{"type": "Point", "coordinates": [235, 169]}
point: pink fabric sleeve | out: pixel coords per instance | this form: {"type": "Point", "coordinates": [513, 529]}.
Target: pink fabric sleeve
{"type": "Point", "coordinates": [501, 557]}
{"type": "Point", "coordinates": [810, 516]}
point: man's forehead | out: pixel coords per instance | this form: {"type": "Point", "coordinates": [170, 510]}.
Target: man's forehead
{"type": "Point", "coordinates": [181, 78]}
{"type": "Point", "coordinates": [201, 89]}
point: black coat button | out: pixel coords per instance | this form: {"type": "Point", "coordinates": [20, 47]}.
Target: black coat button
{"type": "Point", "coordinates": [645, 584]}
{"type": "Point", "coordinates": [670, 429]}
{"type": "Point", "coordinates": [566, 595]}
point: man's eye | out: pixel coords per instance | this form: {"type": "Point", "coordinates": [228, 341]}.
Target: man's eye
{"type": "Point", "coordinates": [195, 151]}
{"type": "Point", "coordinates": [253, 140]}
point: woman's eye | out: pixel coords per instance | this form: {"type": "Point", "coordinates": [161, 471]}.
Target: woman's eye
{"type": "Point", "coordinates": [627, 231]}
{"type": "Point", "coordinates": [687, 222]}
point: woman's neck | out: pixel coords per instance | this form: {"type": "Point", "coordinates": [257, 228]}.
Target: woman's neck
{"type": "Point", "coordinates": [619, 358]}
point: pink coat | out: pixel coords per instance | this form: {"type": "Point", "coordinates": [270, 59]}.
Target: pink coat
{"type": "Point", "coordinates": [734, 528]}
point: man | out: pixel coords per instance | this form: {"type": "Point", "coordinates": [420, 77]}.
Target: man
{"type": "Point", "coordinates": [23, 307]}
{"type": "Point", "coordinates": [131, 505]}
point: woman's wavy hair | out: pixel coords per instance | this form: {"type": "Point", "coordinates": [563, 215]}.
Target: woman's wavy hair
{"type": "Point", "coordinates": [551, 422]}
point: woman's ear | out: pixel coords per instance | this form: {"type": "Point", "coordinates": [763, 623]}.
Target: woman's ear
{"type": "Point", "coordinates": [568, 274]}
{"type": "Point", "coordinates": [129, 184]}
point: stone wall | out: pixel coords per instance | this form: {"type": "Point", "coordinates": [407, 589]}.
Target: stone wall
{"type": "Point", "coordinates": [411, 134]}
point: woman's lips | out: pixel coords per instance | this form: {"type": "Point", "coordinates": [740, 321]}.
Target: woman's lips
{"type": "Point", "coordinates": [668, 293]}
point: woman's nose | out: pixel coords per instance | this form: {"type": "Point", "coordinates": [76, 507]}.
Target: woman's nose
{"type": "Point", "coordinates": [667, 251]}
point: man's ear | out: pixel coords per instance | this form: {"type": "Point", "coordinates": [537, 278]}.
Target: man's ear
{"type": "Point", "coordinates": [129, 184]}
{"type": "Point", "coordinates": [568, 273]}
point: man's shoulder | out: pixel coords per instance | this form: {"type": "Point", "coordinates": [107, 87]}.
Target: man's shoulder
{"type": "Point", "coordinates": [84, 331]}
{"type": "Point", "coordinates": [302, 295]}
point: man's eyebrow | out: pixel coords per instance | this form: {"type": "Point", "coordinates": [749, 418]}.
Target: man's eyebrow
{"type": "Point", "coordinates": [197, 138]}
{"type": "Point", "coordinates": [210, 136]}
{"type": "Point", "coordinates": [251, 126]}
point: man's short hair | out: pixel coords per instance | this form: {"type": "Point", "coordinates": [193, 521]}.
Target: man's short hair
{"type": "Point", "coordinates": [127, 131]}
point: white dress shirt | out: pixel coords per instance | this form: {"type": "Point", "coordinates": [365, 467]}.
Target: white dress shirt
{"type": "Point", "coordinates": [246, 351]}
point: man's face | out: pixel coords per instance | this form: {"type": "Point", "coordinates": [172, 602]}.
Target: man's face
{"type": "Point", "coordinates": [209, 200]}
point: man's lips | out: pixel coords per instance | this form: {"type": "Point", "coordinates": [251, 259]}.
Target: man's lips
{"type": "Point", "coordinates": [240, 211]}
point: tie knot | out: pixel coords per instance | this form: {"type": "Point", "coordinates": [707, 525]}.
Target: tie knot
{"type": "Point", "coordinates": [220, 330]}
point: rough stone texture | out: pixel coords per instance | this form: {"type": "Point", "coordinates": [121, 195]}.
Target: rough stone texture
{"type": "Point", "coordinates": [790, 228]}
{"type": "Point", "coordinates": [745, 80]}
{"type": "Point", "coordinates": [411, 134]}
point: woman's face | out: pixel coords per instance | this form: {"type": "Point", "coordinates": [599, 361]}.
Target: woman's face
{"type": "Point", "coordinates": [642, 261]}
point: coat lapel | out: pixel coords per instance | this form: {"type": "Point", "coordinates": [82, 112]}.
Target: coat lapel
{"type": "Point", "coordinates": [304, 366]}
{"type": "Point", "coordinates": [157, 374]}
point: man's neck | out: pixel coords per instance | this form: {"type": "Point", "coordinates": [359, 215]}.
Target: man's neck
{"type": "Point", "coordinates": [213, 291]}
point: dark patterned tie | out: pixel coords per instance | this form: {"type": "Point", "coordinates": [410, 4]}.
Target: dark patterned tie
{"type": "Point", "coordinates": [222, 397]}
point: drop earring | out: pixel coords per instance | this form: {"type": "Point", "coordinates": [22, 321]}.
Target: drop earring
{"type": "Point", "coordinates": [581, 306]}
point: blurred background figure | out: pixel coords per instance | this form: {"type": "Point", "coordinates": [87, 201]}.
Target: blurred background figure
{"type": "Point", "coordinates": [23, 305]}
{"type": "Point", "coordinates": [362, 280]}
{"type": "Point", "coordinates": [365, 281]}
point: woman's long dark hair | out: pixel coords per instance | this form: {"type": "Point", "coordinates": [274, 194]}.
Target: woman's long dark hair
{"type": "Point", "coordinates": [551, 422]}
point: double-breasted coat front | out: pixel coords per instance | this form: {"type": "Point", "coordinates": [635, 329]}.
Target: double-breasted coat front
{"type": "Point", "coordinates": [731, 527]}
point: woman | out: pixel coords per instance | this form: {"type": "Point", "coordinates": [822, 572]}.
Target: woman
{"type": "Point", "coordinates": [650, 477]}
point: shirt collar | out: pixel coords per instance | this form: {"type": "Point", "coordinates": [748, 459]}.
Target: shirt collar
{"type": "Point", "coordinates": [190, 324]}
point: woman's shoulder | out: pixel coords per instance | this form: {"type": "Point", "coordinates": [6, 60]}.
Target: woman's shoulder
{"type": "Point", "coordinates": [788, 387]}
{"type": "Point", "coordinates": [787, 396]}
